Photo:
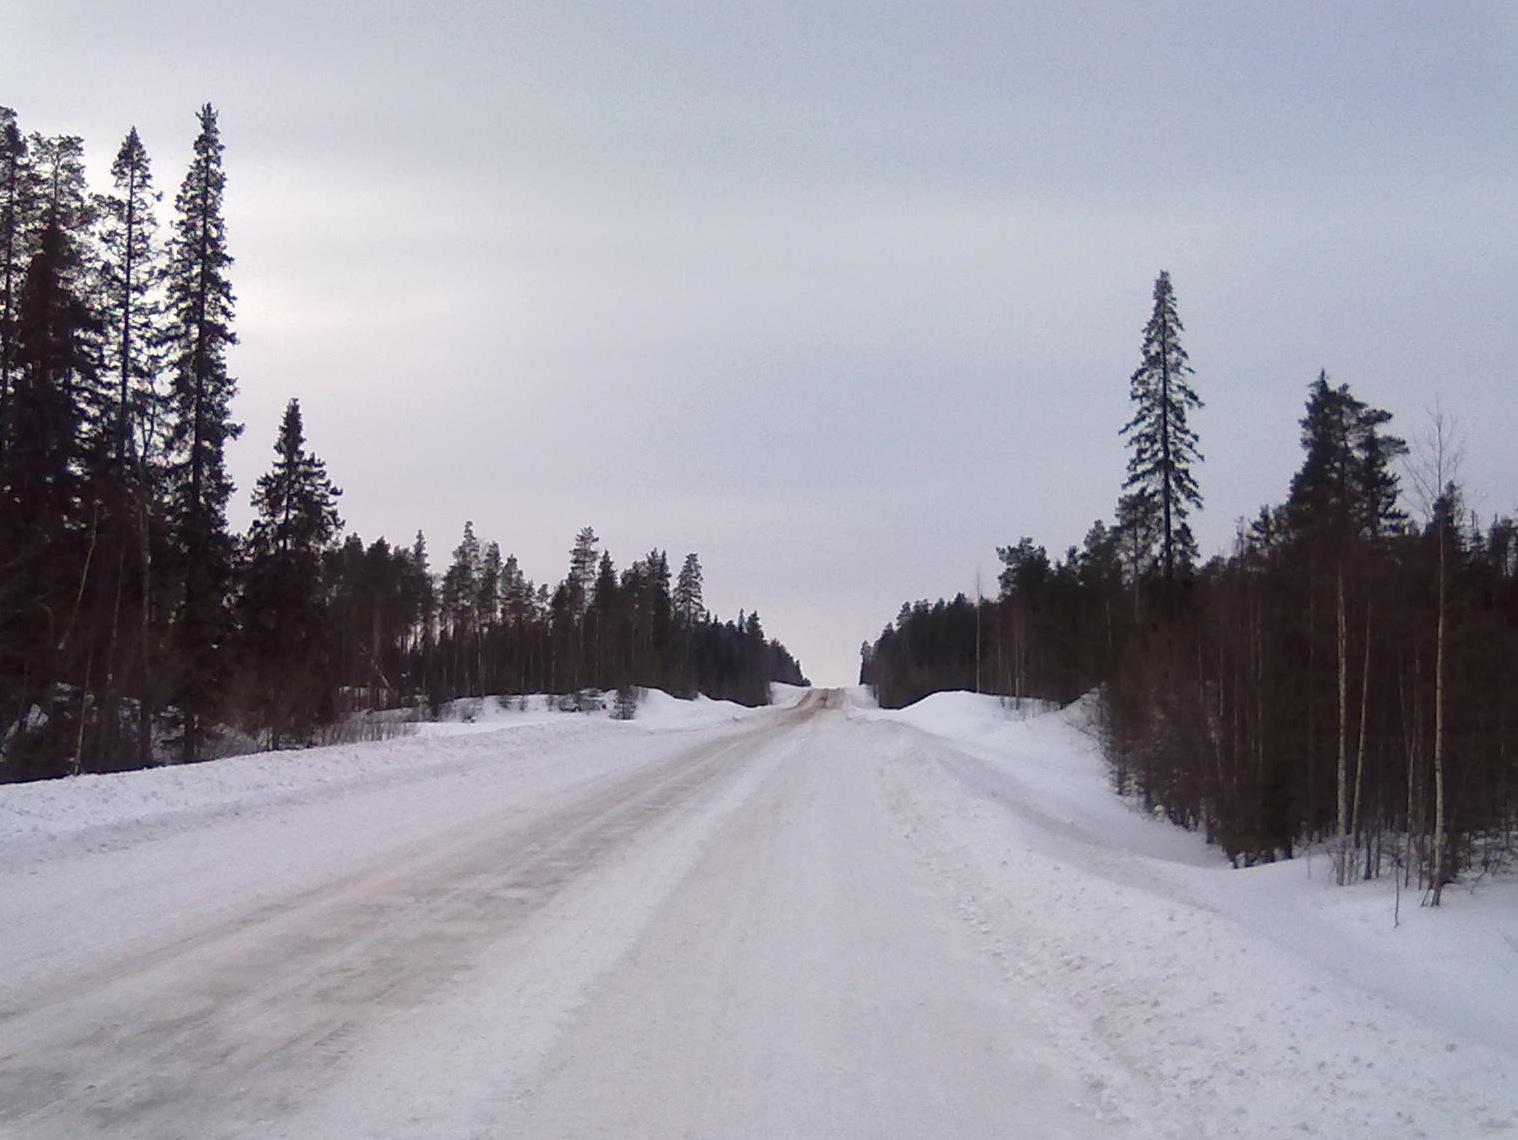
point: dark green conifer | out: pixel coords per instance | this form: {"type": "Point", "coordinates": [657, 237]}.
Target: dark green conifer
{"type": "Point", "coordinates": [197, 335]}
{"type": "Point", "coordinates": [1163, 445]}
{"type": "Point", "coordinates": [18, 225]}
{"type": "Point", "coordinates": [1346, 485]}
{"type": "Point", "coordinates": [285, 624]}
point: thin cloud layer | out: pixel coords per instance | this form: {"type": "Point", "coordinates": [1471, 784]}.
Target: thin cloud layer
{"type": "Point", "coordinates": [840, 299]}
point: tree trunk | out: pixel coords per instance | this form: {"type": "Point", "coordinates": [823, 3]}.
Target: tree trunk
{"type": "Point", "coordinates": [1355, 818]}
{"type": "Point", "coordinates": [1342, 861]}
{"type": "Point", "coordinates": [1439, 630]}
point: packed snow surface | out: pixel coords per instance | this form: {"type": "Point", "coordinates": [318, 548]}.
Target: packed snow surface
{"type": "Point", "coordinates": [815, 920]}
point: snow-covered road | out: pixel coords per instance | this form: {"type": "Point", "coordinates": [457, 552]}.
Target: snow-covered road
{"type": "Point", "coordinates": [816, 921]}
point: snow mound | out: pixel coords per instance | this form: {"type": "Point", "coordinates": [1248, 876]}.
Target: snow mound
{"type": "Point", "coordinates": [960, 713]}
{"type": "Point", "coordinates": [1045, 763]}
{"type": "Point", "coordinates": [784, 696]}
{"type": "Point", "coordinates": [36, 814]}
{"type": "Point", "coordinates": [1188, 959]}
{"type": "Point", "coordinates": [656, 710]}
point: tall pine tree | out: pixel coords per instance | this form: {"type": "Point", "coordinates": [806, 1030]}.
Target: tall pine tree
{"type": "Point", "coordinates": [1343, 504]}
{"type": "Point", "coordinates": [1346, 486]}
{"type": "Point", "coordinates": [197, 335]}
{"type": "Point", "coordinates": [459, 598]}
{"type": "Point", "coordinates": [1164, 447]}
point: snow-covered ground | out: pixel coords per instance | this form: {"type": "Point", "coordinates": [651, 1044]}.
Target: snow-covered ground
{"type": "Point", "coordinates": [818, 920]}
{"type": "Point", "coordinates": [1260, 1002]}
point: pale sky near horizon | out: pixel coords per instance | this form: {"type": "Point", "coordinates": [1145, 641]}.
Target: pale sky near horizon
{"type": "Point", "coordinates": [840, 296]}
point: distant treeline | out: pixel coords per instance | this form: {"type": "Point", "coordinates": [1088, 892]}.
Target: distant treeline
{"type": "Point", "coordinates": [400, 632]}
{"type": "Point", "coordinates": [1345, 673]}
{"type": "Point", "coordinates": [133, 623]}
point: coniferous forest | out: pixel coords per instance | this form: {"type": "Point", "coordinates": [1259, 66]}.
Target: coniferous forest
{"type": "Point", "coordinates": [135, 627]}
{"type": "Point", "coordinates": [1346, 674]}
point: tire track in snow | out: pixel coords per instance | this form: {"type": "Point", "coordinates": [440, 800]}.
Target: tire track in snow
{"type": "Point", "coordinates": [808, 978]}
{"type": "Point", "coordinates": [239, 1022]}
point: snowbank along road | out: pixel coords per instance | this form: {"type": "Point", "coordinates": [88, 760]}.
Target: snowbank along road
{"type": "Point", "coordinates": [813, 921]}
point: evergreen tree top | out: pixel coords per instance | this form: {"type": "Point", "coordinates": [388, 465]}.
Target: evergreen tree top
{"type": "Point", "coordinates": [200, 238]}
{"type": "Point", "coordinates": [295, 501]}
{"type": "Point", "coordinates": [1163, 445]}
{"type": "Point", "coordinates": [1346, 479]}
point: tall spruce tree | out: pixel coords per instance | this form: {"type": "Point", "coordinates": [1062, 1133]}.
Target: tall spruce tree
{"type": "Point", "coordinates": [1164, 447]}
{"type": "Point", "coordinates": [45, 566]}
{"type": "Point", "coordinates": [607, 666]}
{"type": "Point", "coordinates": [127, 433]}
{"type": "Point", "coordinates": [296, 501]}
{"type": "Point", "coordinates": [129, 279]}
{"type": "Point", "coordinates": [285, 621]}
{"type": "Point", "coordinates": [56, 357]}
{"type": "Point", "coordinates": [689, 606]}
{"type": "Point", "coordinates": [197, 335]}
{"type": "Point", "coordinates": [64, 289]}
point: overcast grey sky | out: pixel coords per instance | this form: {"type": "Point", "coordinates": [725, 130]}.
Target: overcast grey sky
{"type": "Point", "coordinates": [841, 296]}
